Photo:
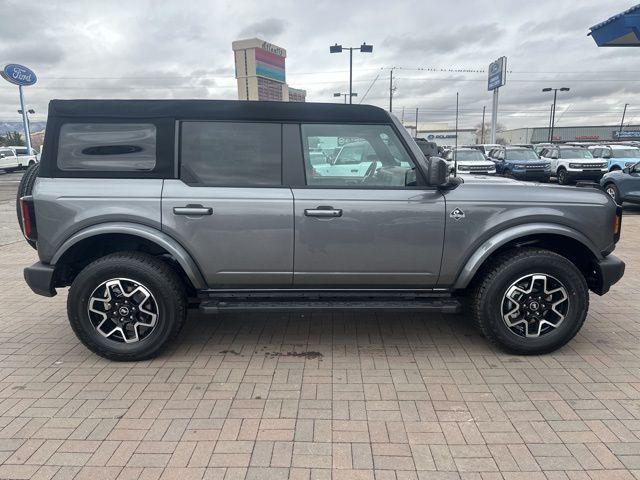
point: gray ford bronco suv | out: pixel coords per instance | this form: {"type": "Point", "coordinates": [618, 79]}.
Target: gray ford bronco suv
{"type": "Point", "coordinates": [146, 207]}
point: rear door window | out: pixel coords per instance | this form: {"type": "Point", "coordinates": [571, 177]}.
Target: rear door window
{"type": "Point", "coordinates": [231, 154]}
{"type": "Point", "coordinates": [107, 147]}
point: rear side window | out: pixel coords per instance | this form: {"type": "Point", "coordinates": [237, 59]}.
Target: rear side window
{"type": "Point", "coordinates": [231, 154]}
{"type": "Point", "coordinates": [107, 147]}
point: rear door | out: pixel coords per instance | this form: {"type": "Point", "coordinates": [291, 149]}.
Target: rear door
{"type": "Point", "coordinates": [376, 229]}
{"type": "Point", "coordinates": [228, 207]}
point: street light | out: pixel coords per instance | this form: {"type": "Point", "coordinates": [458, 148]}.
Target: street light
{"type": "Point", "coordinates": [553, 108]}
{"type": "Point", "coordinates": [364, 48]}
{"type": "Point", "coordinates": [345, 95]}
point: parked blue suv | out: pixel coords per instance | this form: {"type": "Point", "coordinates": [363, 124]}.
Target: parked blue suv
{"type": "Point", "coordinates": [623, 185]}
{"type": "Point", "coordinates": [521, 163]}
{"type": "Point", "coordinates": [618, 157]}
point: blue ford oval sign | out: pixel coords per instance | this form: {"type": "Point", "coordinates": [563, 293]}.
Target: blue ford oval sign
{"type": "Point", "coordinates": [19, 75]}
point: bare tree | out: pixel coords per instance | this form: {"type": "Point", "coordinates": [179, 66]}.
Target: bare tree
{"type": "Point", "coordinates": [487, 133]}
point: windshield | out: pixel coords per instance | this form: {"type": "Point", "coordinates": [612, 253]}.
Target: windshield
{"type": "Point", "coordinates": [575, 153]}
{"type": "Point", "coordinates": [625, 152]}
{"type": "Point", "coordinates": [524, 154]}
{"type": "Point", "coordinates": [467, 156]}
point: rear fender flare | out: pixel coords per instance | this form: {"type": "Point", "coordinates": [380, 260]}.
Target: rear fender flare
{"type": "Point", "coordinates": [153, 235]}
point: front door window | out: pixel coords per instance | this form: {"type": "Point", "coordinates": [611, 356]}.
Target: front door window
{"type": "Point", "coordinates": [359, 156]}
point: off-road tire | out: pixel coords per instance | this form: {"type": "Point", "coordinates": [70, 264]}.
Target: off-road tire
{"type": "Point", "coordinates": [496, 278]}
{"type": "Point", "coordinates": [25, 188]}
{"type": "Point", "coordinates": [158, 277]}
{"type": "Point", "coordinates": [563, 177]}
{"type": "Point", "coordinates": [613, 192]}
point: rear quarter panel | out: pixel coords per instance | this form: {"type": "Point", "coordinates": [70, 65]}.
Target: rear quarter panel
{"type": "Point", "coordinates": [64, 206]}
{"type": "Point", "coordinates": [493, 206]}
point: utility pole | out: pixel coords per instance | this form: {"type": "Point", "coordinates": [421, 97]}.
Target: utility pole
{"type": "Point", "coordinates": [482, 135]}
{"type": "Point", "coordinates": [456, 141]}
{"type": "Point", "coordinates": [553, 109]}
{"type": "Point", "coordinates": [550, 117]}
{"type": "Point", "coordinates": [402, 117]}
{"type": "Point", "coordinates": [391, 90]}
{"type": "Point", "coordinates": [416, 122]}
{"type": "Point", "coordinates": [624, 112]}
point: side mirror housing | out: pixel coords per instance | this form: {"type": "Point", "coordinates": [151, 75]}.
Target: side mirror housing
{"type": "Point", "coordinates": [436, 170]}
{"type": "Point", "coordinates": [554, 157]}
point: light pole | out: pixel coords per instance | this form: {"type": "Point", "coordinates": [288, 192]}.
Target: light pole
{"type": "Point", "coordinates": [345, 95]}
{"type": "Point", "coordinates": [553, 109]}
{"type": "Point", "coordinates": [364, 48]}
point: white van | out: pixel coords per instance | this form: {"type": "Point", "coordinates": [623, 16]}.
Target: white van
{"type": "Point", "coordinates": [8, 159]}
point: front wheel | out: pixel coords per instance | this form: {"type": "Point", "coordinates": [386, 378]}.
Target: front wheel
{"type": "Point", "coordinates": [127, 306]}
{"type": "Point", "coordinates": [613, 192]}
{"type": "Point", "coordinates": [563, 177]}
{"type": "Point", "coordinates": [530, 301]}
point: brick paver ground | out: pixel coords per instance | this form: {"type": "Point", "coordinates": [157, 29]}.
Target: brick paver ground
{"type": "Point", "coordinates": [319, 396]}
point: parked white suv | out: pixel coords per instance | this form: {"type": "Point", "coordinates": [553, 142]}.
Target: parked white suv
{"type": "Point", "coordinates": [469, 160]}
{"type": "Point", "coordinates": [8, 159]}
{"type": "Point", "coordinates": [24, 159]}
{"type": "Point", "coordinates": [571, 163]}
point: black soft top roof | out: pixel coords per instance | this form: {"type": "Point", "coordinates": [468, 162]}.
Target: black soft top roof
{"type": "Point", "coordinates": [219, 110]}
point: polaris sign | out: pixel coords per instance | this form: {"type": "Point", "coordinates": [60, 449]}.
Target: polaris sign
{"type": "Point", "coordinates": [631, 134]}
{"type": "Point", "coordinates": [19, 75]}
{"type": "Point", "coordinates": [497, 73]}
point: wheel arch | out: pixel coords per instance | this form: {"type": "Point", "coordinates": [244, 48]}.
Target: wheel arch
{"type": "Point", "coordinates": [99, 240]}
{"type": "Point", "coordinates": [560, 239]}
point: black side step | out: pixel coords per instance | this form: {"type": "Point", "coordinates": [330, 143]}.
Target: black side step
{"type": "Point", "coordinates": [440, 305]}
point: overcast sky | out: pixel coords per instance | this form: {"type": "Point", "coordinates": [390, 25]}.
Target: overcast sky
{"type": "Point", "coordinates": [182, 49]}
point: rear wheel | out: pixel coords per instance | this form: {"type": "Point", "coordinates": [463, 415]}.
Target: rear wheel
{"type": "Point", "coordinates": [127, 306]}
{"type": "Point", "coordinates": [25, 188]}
{"type": "Point", "coordinates": [530, 301]}
{"type": "Point", "coordinates": [613, 192]}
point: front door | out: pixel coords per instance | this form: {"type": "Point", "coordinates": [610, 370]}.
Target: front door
{"type": "Point", "coordinates": [377, 229]}
{"type": "Point", "coordinates": [229, 208]}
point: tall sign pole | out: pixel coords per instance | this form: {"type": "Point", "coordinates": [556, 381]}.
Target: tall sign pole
{"type": "Point", "coordinates": [23, 77]}
{"type": "Point", "coordinates": [25, 121]}
{"type": "Point", "coordinates": [496, 79]}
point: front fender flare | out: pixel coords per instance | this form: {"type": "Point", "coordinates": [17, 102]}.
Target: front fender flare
{"type": "Point", "coordinates": [503, 237]}
{"type": "Point", "coordinates": [161, 239]}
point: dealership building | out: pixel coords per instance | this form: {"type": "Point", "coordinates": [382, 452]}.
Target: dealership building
{"type": "Point", "coordinates": [260, 72]}
{"type": "Point", "coordinates": [463, 136]}
{"type": "Point", "coordinates": [598, 133]}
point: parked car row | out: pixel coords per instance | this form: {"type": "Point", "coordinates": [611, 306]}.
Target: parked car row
{"type": "Point", "coordinates": [616, 167]}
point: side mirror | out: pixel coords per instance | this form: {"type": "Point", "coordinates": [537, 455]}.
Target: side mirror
{"type": "Point", "coordinates": [437, 171]}
{"type": "Point", "coordinates": [554, 156]}
{"type": "Point", "coordinates": [2, 155]}
{"type": "Point", "coordinates": [606, 156]}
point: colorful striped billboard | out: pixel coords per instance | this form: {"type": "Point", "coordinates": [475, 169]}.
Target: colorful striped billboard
{"type": "Point", "coordinates": [269, 65]}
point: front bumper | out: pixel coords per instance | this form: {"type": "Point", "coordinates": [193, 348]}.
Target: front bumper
{"type": "Point", "coordinates": [531, 175]}
{"type": "Point", "coordinates": [607, 272]}
{"type": "Point", "coordinates": [39, 277]}
{"type": "Point", "coordinates": [585, 174]}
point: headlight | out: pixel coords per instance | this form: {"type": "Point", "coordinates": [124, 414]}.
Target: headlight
{"type": "Point", "coordinates": [462, 167]}
{"type": "Point", "coordinates": [575, 165]}
{"type": "Point", "coordinates": [629, 164]}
